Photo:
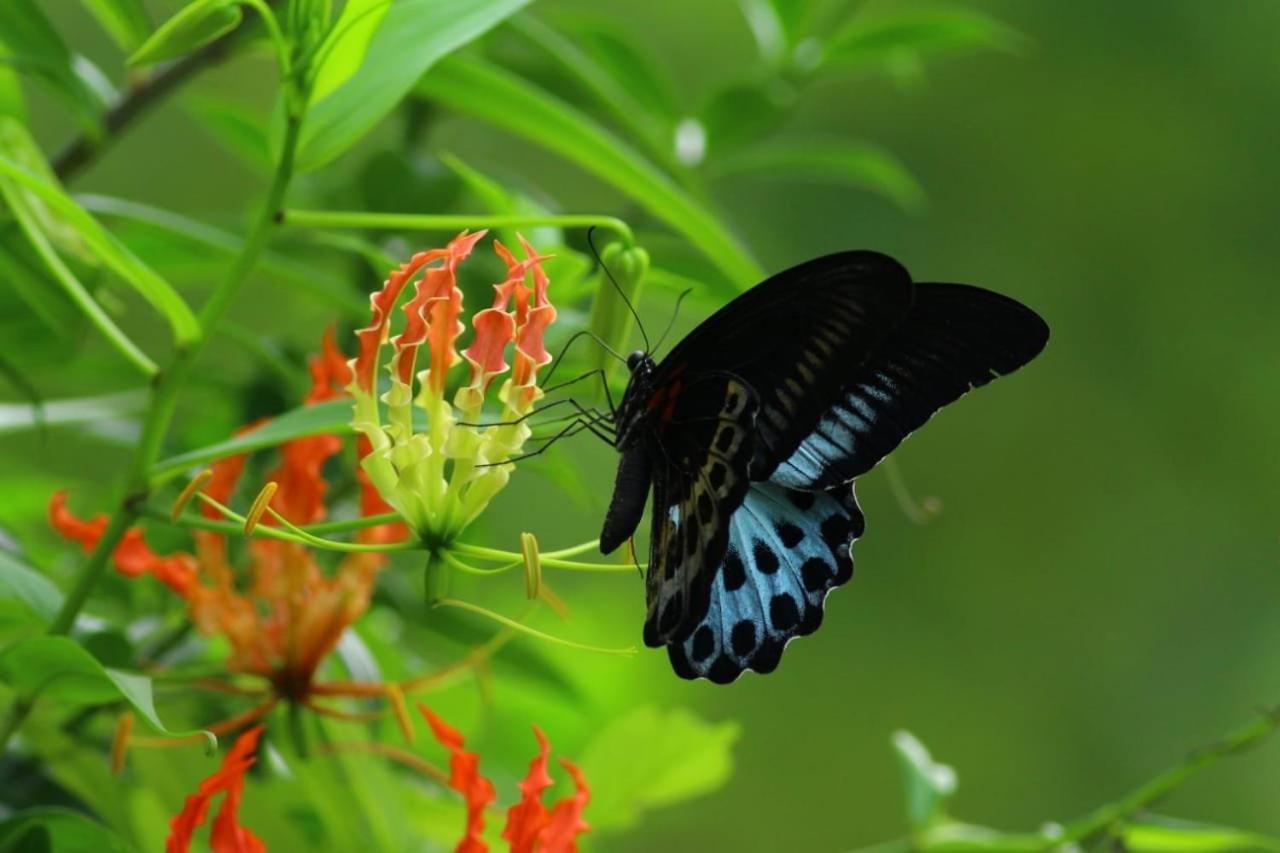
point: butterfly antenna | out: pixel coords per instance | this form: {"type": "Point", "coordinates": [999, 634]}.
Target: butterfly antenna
{"type": "Point", "coordinates": [584, 333]}
{"type": "Point", "coordinates": [594, 251]}
{"type": "Point", "coordinates": [675, 312]}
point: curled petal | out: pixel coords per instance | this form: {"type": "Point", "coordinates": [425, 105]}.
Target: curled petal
{"type": "Point", "coordinates": [465, 778]}
{"type": "Point", "coordinates": [300, 497]}
{"type": "Point", "coordinates": [132, 556]}
{"type": "Point", "coordinates": [540, 279]}
{"type": "Point", "coordinates": [433, 313]}
{"type": "Point", "coordinates": [381, 302]}
{"type": "Point", "coordinates": [86, 533]}
{"type": "Point", "coordinates": [330, 373]}
{"type": "Point", "coordinates": [228, 835]}
{"type": "Point", "coordinates": [527, 818]}
{"type": "Point", "coordinates": [566, 823]}
{"type": "Point", "coordinates": [531, 350]}
{"type": "Point", "coordinates": [495, 329]}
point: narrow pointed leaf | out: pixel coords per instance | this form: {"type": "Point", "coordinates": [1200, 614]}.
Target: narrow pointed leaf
{"type": "Point", "coordinates": [411, 38]}
{"type": "Point", "coordinates": [194, 26]}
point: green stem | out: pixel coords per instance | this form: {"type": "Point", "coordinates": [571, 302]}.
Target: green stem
{"type": "Point", "coordinates": [164, 399]}
{"type": "Point", "coordinates": [1102, 819]}
{"type": "Point", "coordinates": [628, 651]}
{"type": "Point", "coordinates": [199, 522]}
{"type": "Point", "coordinates": [450, 222]}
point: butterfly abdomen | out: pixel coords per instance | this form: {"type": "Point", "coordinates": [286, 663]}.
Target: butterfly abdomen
{"type": "Point", "coordinates": [630, 490]}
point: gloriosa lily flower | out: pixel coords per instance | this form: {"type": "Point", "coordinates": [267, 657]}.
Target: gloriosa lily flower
{"type": "Point", "coordinates": [290, 615]}
{"type": "Point", "coordinates": [439, 480]}
{"type": "Point", "coordinates": [227, 836]}
{"type": "Point", "coordinates": [531, 827]}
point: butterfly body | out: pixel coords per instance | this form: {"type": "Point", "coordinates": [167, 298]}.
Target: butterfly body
{"type": "Point", "coordinates": [750, 433]}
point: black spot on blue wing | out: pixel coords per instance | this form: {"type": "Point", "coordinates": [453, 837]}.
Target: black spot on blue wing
{"type": "Point", "coordinates": [783, 612]}
{"type": "Point", "coordinates": [766, 559]}
{"type": "Point", "coordinates": [790, 534]}
{"type": "Point", "coordinates": [743, 638]}
{"type": "Point", "coordinates": [733, 573]}
{"type": "Point", "coordinates": [815, 573]}
{"type": "Point", "coordinates": [704, 643]}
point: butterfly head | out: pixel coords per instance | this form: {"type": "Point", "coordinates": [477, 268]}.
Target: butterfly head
{"type": "Point", "coordinates": [634, 409]}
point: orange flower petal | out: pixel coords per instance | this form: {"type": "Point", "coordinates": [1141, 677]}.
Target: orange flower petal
{"type": "Point", "coordinates": [382, 301]}
{"type": "Point", "coordinates": [465, 778]}
{"type": "Point", "coordinates": [433, 313]}
{"type": "Point", "coordinates": [300, 476]}
{"type": "Point", "coordinates": [527, 818]}
{"type": "Point", "coordinates": [132, 556]}
{"type": "Point", "coordinates": [330, 373]}
{"type": "Point", "coordinates": [566, 823]}
{"type": "Point", "coordinates": [86, 533]}
{"type": "Point", "coordinates": [228, 835]}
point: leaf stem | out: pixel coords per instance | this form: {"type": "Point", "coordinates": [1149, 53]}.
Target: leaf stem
{"type": "Point", "coordinates": [1102, 819]}
{"type": "Point", "coordinates": [450, 222]}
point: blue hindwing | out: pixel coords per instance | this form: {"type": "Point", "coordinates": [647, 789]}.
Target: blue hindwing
{"type": "Point", "coordinates": [787, 549]}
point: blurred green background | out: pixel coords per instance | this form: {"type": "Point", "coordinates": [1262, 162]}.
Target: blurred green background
{"type": "Point", "coordinates": [1100, 592]}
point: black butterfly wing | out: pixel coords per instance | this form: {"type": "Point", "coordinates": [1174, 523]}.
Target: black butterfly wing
{"type": "Point", "coordinates": [794, 339]}
{"type": "Point", "coordinates": [956, 337]}
{"type": "Point", "coordinates": [737, 396]}
{"type": "Point", "coordinates": [700, 461]}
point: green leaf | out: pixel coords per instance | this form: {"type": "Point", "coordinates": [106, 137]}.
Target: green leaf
{"type": "Point", "coordinates": [235, 127]}
{"type": "Point", "coordinates": [126, 21]}
{"type": "Point", "coordinates": [344, 49]}
{"type": "Point", "coordinates": [1167, 835]}
{"type": "Point", "coordinates": [59, 668]}
{"type": "Point", "coordinates": [332, 416]}
{"type": "Point", "coordinates": [57, 830]}
{"type": "Point", "coordinates": [318, 284]}
{"type": "Point", "coordinates": [742, 114]}
{"type": "Point", "coordinates": [33, 295]}
{"type": "Point", "coordinates": [43, 224]}
{"type": "Point", "coordinates": [11, 100]}
{"type": "Point", "coordinates": [885, 40]}
{"type": "Point", "coordinates": [968, 838]}
{"type": "Point", "coordinates": [20, 581]}
{"type": "Point", "coordinates": [474, 87]}
{"type": "Point", "coordinates": [30, 42]}
{"type": "Point", "coordinates": [194, 26]}
{"type": "Point", "coordinates": [412, 37]}
{"type": "Point", "coordinates": [650, 758]}
{"type": "Point", "coordinates": [635, 92]}
{"type": "Point", "coordinates": [928, 783]}
{"type": "Point", "coordinates": [854, 164]}
{"type": "Point", "coordinates": [104, 246]}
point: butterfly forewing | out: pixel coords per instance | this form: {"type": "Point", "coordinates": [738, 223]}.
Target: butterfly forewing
{"type": "Point", "coordinates": [794, 338]}
{"type": "Point", "coordinates": [954, 339]}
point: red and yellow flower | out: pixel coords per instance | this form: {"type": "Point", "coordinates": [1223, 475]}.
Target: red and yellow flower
{"type": "Point", "coordinates": [439, 479]}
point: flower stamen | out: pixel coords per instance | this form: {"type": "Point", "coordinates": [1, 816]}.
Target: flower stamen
{"type": "Point", "coordinates": [184, 497]}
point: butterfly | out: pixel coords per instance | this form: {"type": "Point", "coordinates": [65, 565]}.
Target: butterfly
{"type": "Point", "coordinates": [751, 431]}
